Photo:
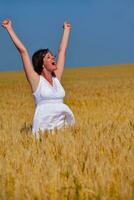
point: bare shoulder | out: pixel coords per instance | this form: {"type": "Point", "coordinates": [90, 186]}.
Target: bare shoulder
{"type": "Point", "coordinates": [58, 76]}
{"type": "Point", "coordinates": [34, 81]}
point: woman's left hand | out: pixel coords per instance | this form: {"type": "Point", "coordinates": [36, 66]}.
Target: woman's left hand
{"type": "Point", "coordinates": [67, 25]}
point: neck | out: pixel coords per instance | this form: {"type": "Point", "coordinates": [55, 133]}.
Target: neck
{"type": "Point", "coordinates": [47, 75]}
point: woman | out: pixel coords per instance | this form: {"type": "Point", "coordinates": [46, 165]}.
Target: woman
{"type": "Point", "coordinates": [44, 77]}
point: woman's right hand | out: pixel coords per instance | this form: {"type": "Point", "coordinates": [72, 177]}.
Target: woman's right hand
{"type": "Point", "coordinates": [7, 23]}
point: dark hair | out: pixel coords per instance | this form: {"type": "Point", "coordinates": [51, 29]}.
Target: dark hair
{"type": "Point", "coordinates": [37, 59]}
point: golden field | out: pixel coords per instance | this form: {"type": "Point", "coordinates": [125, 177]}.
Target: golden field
{"type": "Point", "coordinates": [92, 160]}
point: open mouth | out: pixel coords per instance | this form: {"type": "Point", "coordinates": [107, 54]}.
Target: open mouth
{"type": "Point", "coordinates": [53, 63]}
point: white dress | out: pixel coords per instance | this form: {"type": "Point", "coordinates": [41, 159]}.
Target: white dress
{"type": "Point", "coordinates": [50, 112]}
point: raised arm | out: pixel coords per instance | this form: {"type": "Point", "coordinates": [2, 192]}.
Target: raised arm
{"type": "Point", "coordinates": [31, 75]}
{"type": "Point", "coordinates": [62, 50]}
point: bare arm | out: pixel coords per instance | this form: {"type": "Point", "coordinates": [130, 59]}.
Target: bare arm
{"type": "Point", "coordinates": [62, 50]}
{"type": "Point", "coordinates": [31, 75]}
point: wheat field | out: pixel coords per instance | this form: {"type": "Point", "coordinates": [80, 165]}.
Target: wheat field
{"type": "Point", "coordinates": [92, 160]}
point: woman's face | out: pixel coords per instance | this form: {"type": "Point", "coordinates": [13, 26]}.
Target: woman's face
{"type": "Point", "coordinates": [49, 62]}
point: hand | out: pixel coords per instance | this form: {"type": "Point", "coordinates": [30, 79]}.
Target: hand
{"type": "Point", "coordinates": [6, 23]}
{"type": "Point", "coordinates": [67, 25]}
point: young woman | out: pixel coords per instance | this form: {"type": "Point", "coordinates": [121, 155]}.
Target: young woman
{"type": "Point", "coordinates": [44, 76]}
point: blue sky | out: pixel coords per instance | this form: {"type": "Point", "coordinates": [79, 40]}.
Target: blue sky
{"type": "Point", "coordinates": [102, 30]}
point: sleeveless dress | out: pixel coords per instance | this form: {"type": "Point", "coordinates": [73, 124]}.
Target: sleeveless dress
{"type": "Point", "coordinates": [50, 111]}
